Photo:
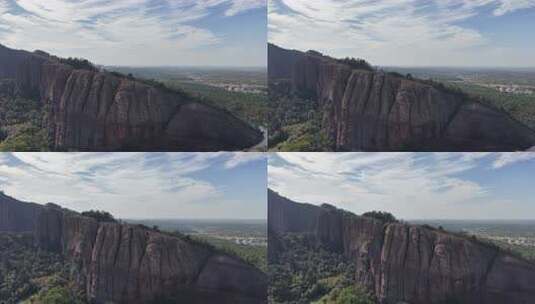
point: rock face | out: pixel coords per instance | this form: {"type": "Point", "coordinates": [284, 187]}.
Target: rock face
{"type": "Point", "coordinates": [16, 216]}
{"type": "Point", "coordinates": [414, 264]}
{"type": "Point", "coordinates": [377, 111]}
{"type": "Point", "coordinates": [281, 62]}
{"type": "Point", "coordinates": [90, 110]}
{"type": "Point", "coordinates": [123, 263]}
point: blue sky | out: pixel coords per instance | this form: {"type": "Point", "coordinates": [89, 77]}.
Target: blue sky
{"type": "Point", "coordinates": [475, 33]}
{"type": "Point", "coordinates": [140, 32]}
{"type": "Point", "coordinates": [142, 185]}
{"type": "Point", "coordinates": [411, 185]}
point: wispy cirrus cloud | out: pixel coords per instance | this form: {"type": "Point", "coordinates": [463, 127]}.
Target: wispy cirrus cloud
{"type": "Point", "coordinates": [401, 32]}
{"type": "Point", "coordinates": [114, 32]}
{"type": "Point", "coordinates": [130, 184]}
{"type": "Point", "coordinates": [506, 159]}
{"type": "Point", "coordinates": [410, 185]}
{"type": "Point", "coordinates": [508, 6]}
{"type": "Point", "coordinates": [239, 6]}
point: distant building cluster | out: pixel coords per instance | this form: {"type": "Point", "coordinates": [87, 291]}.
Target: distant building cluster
{"type": "Point", "coordinates": [242, 88]}
{"type": "Point", "coordinates": [521, 241]}
{"type": "Point", "coordinates": [250, 241]}
{"type": "Point", "coordinates": [514, 89]}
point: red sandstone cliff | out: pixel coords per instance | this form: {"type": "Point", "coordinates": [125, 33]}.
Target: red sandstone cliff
{"type": "Point", "coordinates": [121, 263]}
{"type": "Point", "coordinates": [409, 263]}
{"type": "Point", "coordinates": [99, 111]}
{"type": "Point", "coordinates": [377, 111]}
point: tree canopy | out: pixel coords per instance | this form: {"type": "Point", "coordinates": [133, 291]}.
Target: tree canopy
{"type": "Point", "coordinates": [100, 216]}
{"type": "Point", "coordinates": [357, 63]}
{"type": "Point", "coordinates": [383, 216]}
{"type": "Point", "coordinates": [79, 63]}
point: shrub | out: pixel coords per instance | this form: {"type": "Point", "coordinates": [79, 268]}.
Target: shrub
{"type": "Point", "coordinates": [383, 216]}
{"type": "Point", "coordinates": [78, 63]}
{"type": "Point", "coordinates": [348, 295]}
{"type": "Point", "coordinates": [357, 63]}
{"type": "Point", "coordinates": [354, 295]}
{"type": "Point", "coordinates": [100, 216]}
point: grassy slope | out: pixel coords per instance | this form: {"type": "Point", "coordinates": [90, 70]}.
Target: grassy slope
{"type": "Point", "coordinates": [249, 107]}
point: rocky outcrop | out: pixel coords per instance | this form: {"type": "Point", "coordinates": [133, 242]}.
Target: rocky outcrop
{"type": "Point", "coordinates": [285, 215]}
{"type": "Point", "coordinates": [121, 263]}
{"type": "Point", "coordinates": [378, 111]}
{"type": "Point", "coordinates": [415, 264]}
{"type": "Point", "coordinates": [16, 216]}
{"type": "Point", "coordinates": [91, 110]}
{"type": "Point", "coordinates": [281, 62]}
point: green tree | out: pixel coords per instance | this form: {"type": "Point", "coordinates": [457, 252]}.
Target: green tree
{"type": "Point", "coordinates": [354, 295]}
{"type": "Point", "coordinates": [56, 295]}
{"type": "Point", "coordinates": [100, 216]}
{"type": "Point", "coordinates": [383, 216]}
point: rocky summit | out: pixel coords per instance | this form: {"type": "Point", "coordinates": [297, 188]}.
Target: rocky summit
{"type": "Point", "coordinates": [90, 109]}
{"type": "Point", "coordinates": [402, 263]}
{"type": "Point", "coordinates": [372, 110]}
{"type": "Point", "coordinates": [122, 263]}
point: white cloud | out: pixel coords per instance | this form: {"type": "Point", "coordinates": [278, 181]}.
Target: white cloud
{"type": "Point", "coordinates": [410, 185]}
{"type": "Point", "coordinates": [113, 32]}
{"type": "Point", "coordinates": [509, 6]}
{"type": "Point", "coordinates": [422, 32]}
{"type": "Point", "coordinates": [126, 184]}
{"type": "Point", "coordinates": [506, 159]}
{"type": "Point", "coordinates": [239, 159]}
{"type": "Point", "coordinates": [239, 6]}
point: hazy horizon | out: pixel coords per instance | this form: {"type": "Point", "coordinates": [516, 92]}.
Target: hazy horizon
{"type": "Point", "coordinates": [215, 219]}
{"type": "Point", "coordinates": [413, 186]}
{"type": "Point", "coordinates": [193, 67]}
{"type": "Point", "coordinates": [140, 32]}
{"type": "Point", "coordinates": [141, 185]}
{"type": "Point", "coordinates": [453, 67]}
{"type": "Point", "coordinates": [414, 33]}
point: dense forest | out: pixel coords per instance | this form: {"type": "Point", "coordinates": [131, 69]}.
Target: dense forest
{"type": "Point", "coordinates": [22, 121]}
{"type": "Point", "coordinates": [295, 121]}
{"type": "Point", "coordinates": [33, 276]}
{"type": "Point", "coordinates": [305, 272]}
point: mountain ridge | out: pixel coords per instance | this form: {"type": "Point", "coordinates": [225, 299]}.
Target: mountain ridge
{"type": "Point", "coordinates": [127, 263]}
{"type": "Point", "coordinates": [90, 109]}
{"type": "Point", "coordinates": [399, 262]}
{"type": "Point", "coordinates": [373, 110]}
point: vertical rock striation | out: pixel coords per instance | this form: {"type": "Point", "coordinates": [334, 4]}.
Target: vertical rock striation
{"type": "Point", "coordinates": [378, 111]}
{"type": "Point", "coordinates": [17, 217]}
{"type": "Point", "coordinates": [92, 110]}
{"type": "Point", "coordinates": [121, 263]}
{"type": "Point", "coordinates": [413, 264]}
